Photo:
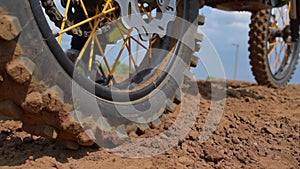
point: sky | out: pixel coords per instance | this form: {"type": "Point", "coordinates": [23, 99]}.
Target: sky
{"type": "Point", "coordinates": [221, 30]}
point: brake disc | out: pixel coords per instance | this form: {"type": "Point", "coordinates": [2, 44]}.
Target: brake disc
{"type": "Point", "coordinates": [132, 17]}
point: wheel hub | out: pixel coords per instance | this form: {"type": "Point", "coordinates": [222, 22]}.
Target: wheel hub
{"type": "Point", "coordinates": [284, 33]}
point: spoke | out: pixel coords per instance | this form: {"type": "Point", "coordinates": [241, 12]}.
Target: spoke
{"type": "Point", "coordinates": [118, 58]}
{"type": "Point", "coordinates": [86, 21]}
{"type": "Point", "coordinates": [280, 17]}
{"type": "Point", "coordinates": [102, 53]}
{"type": "Point", "coordinates": [101, 71]}
{"type": "Point", "coordinates": [273, 27]}
{"type": "Point", "coordinates": [131, 56]}
{"type": "Point", "coordinates": [85, 13]}
{"type": "Point", "coordinates": [137, 52]}
{"type": "Point", "coordinates": [106, 5]}
{"type": "Point", "coordinates": [64, 21]}
{"type": "Point", "coordinates": [123, 32]}
{"type": "Point", "coordinates": [130, 52]}
{"type": "Point", "coordinates": [130, 65]}
{"type": "Point", "coordinates": [150, 49]}
{"type": "Point", "coordinates": [88, 40]}
{"type": "Point", "coordinates": [286, 57]}
{"type": "Point", "coordinates": [128, 37]}
{"type": "Point", "coordinates": [151, 42]}
{"type": "Point", "coordinates": [277, 57]}
{"type": "Point", "coordinates": [288, 15]}
{"type": "Point", "coordinates": [275, 43]}
{"type": "Point", "coordinates": [91, 53]}
{"type": "Point", "coordinates": [139, 43]}
{"type": "Point", "coordinates": [114, 14]}
{"type": "Point", "coordinates": [270, 52]}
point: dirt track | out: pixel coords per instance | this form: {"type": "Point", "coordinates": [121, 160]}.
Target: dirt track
{"type": "Point", "coordinates": [259, 129]}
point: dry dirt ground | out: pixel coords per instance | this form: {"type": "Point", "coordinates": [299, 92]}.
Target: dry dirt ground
{"type": "Point", "coordinates": [260, 128]}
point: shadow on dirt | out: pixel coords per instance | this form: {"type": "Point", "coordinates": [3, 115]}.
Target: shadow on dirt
{"type": "Point", "coordinates": [16, 150]}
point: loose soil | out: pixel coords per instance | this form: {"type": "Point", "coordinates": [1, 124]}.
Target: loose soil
{"type": "Point", "coordinates": [260, 128]}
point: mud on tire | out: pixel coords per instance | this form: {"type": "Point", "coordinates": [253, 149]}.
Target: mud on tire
{"type": "Point", "coordinates": [37, 90]}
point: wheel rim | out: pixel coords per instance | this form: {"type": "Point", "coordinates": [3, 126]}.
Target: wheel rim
{"type": "Point", "coordinates": [280, 48]}
{"type": "Point", "coordinates": [105, 92]}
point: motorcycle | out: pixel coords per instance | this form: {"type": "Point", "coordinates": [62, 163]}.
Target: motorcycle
{"type": "Point", "coordinates": [115, 55]}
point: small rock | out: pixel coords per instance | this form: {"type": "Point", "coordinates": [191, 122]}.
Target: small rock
{"type": "Point", "coordinates": [186, 160]}
{"type": "Point", "coordinates": [194, 135]}
{"type": "Point", "coordinates": [235, 140]}
{"type": "Point", "coordinates": [273, 98]}
{"type": "Point", "coordinates": [131, 128]}
{"type": "Point", "coordinates": [290, 139]}
{"type": "Point", "coordinates": [243, 136]}
{"type": "Point", "coordinates": [241, 156]}
{"type": "Point", "coordinates": [184, 147]}
{"type": "Point", "coordinates": [271, 130]}
{"type": "Point", "coordinates": [212, 154]}
{"type": "Point", "coordinates": [296, 136]}
{"type": "Point", "coordinates": [232, 126]}
{"type": "Point", "coordinates": [34, 137]}
{"type": "Point", "coordinates": [251, 155]}
{"type": "Point", "coordinates": [33, 103]}
{"type": "Point", "coordinates": [30, 158]}
{"type": "Point", "coordinates": [190, 150]}
{"type": "Point", "coordinates": [61, 166]}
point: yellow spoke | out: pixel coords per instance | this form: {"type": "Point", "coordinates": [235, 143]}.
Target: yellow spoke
{"type": "Point", "coordinates": [277, 58]}
{"type": "Point", "coordinates": [273, 27]}
{"type": "Point", "coordinates": [88, 40]}
{"type": "Point", "coordinates": [114, 14]}
{"type": "Point", "coordinates": [285, 59]}
{"type": "Point", "coordinates": [138, 42]}
{"type": "Point", "coordinates": [86, 21]}
{"type": "Point", "coordinates": [127, 39]}
{"type": "Point", "coordinates": [91, 53]}
{"type": "Point", "coordinates": [288, 15]}
{"type": "Point", "coordinates": [270, 52]}
{"type": "Point", "coordinates": [85, 13]}
{"type": "Point", "coordinates": [103, 55]}
{"type": "Point", "coordinates": [129, 48]}
{"type": "Point", "coordinates": [118, 58]}
{"type": "Point", "coordinates": [137, 53]}
{"type": "Point", "coordinates": [106, 5]}
{"type": "Point", "coordinates": [275, 43]}
{"type": "Point", "coordinates": [123, 32]}
{"type": "Point", "coordinates": [151, 42]}
{"type": "Point", "coordinates": [130, 54]}
{"type": "Point", "coordinates": [130, 57]}
{"type": "Point", "coordinates": [150, 48]}
{"type": "Point", "coordinates": [279, 12]}
{"type": "Point", "coordinates": [64, 21]}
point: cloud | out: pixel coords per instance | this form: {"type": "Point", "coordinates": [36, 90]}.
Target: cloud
{"type": "Point", "coordinates": [223, 29]}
